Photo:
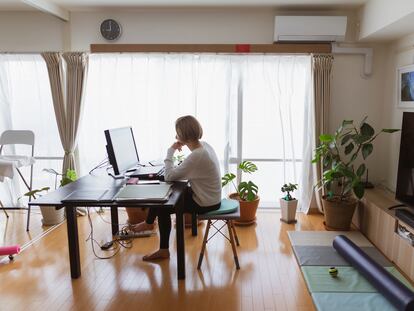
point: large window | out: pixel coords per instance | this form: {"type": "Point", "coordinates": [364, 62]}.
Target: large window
{"type": "Point", "coordinates": [26, 104]}
{"type": "Point", "coordinates": [251, 108]}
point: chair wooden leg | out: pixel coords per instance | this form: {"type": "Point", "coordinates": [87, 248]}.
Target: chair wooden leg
{"type": "Point", "coordinates": [233, 245]}
{"type": "Point", "coordinates": [234, 232]}
{"type": "Point", "coordinates": [203, 247]}
{"type": "Point", "coordinates": [28, 218]}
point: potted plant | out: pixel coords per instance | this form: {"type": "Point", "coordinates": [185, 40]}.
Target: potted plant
{"type": "Point", "coordinates": [246, 194]}
{"type": "Point", "coordinates": [51, 215]}
{"type": "Point", "coordinates": [338, 154]}
{"type": "Point", "coordinates": [288, 204]}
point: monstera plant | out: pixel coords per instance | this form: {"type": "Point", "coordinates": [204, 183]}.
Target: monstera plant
{"type": "Point", "coordinates": [342, 156]}
{"type": "Point", "coordinates": [246, 193]}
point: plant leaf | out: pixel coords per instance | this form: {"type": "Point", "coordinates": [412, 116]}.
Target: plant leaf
{"type": "Point", "coordinates": [363, 121]}
{"type": "Point", "coordinates": [361, 170]}
{"type": "Point", "coordinates": [349, 148]}
{"type": "Point", "coordinates": [347, 122]}
{"type": "Point", "coordinates": [345, 139]}
{"type": "Point", "coordinates": [326, 138]}
{"type": "Point", "coordinates": [359, 190]}
{"type": "Point", "coordinates": [390, 130]}
{"type": "Point", "coordinates": [367, 150]}
{"type": "Point", "coordinates": [227, 178]}
{"type": "Point", "coordinates": [248, 167]}
{"type": "Point", "coordinates": [354, 156]}
{"type": "Point", "coordinates": [367, 130]}
{"type": "Point", "coordinates": [247, 191]}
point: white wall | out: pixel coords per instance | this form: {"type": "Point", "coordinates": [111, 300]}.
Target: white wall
{"type": "Point", "coordinates": [354, 97]}
{"type": "Point", "coordinates": [399, 53]}
{"type": "Point", "coordinates": [183, 26]}
{"type": "Point", "coordinates": [379, 14]}
{"type": "Point", "coordinates": [30, 32]}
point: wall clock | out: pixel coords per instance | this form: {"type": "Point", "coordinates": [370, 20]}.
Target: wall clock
{"type": "Point", "coordinates": [110, 29]}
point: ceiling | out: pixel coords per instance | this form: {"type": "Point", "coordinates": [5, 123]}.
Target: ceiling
{"type": "Point", "coordinates": [87, 5]}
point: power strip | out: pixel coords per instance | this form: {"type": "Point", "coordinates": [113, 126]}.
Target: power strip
{"type": "Point", "coordinates": [132, 235]}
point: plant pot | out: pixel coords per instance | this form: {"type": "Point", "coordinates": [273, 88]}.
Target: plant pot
{"type": "Point", "coordinates": [51, 215]}
{"type": "Point", "coordinates": [247, 210]}
{"type": "Point", "coordinates": [136, 214]}
{"type": "Point", "coordinates": [288, 209]}
{"type": "Point", "coordinates": [338, 214]}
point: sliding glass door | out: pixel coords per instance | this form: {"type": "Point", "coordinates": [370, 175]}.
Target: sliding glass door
{"type": "Point", "coordinates": [252, 107]}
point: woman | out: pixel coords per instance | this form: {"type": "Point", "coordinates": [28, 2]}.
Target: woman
{"type": "Point", "coordinates": [201, 168]}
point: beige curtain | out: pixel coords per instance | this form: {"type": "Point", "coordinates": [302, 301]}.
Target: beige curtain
{"type": "Point", "coordinates": [67, 76]}
{"type": "Point", "coordinates": [322, 73]}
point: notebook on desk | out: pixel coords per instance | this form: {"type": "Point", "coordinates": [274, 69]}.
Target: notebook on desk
{"type": "Point", "coordinates": [153, 193]}
{"type": "Point", "coordinates": [100, 195]}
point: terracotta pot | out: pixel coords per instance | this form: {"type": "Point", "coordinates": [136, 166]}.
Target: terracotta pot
{"type": "Point", "coordinates": [338, 214]}
{"type": "Point", "coordinates": [136, 214]}
{"type": "Point", "coordinates": [288, 209]}
{"type": "Point", "coordinates": [247, 210]}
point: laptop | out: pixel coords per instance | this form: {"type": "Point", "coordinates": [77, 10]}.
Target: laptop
{"type": "Point", "coordinates": [123, 155]}
{"type": "Point", "coordinates": [147, 172]}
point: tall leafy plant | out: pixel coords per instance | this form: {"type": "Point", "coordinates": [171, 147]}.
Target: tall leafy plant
{"type": "Point", "coordinates": [338, 153]}
{"type": "Point", "coordinates": [247, 190]}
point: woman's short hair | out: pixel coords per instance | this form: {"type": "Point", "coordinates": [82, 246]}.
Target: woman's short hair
{"type": "Point", "coordinates": [188, 128]}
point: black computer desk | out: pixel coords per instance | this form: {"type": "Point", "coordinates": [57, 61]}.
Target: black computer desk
{"type": "Point", "coordinates": [92, 182]}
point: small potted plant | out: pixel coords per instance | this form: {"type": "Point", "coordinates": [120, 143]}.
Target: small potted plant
{"type": "Point", "coordinates": [246, 194]}
{"type": "Point", "coordinates": [288, 204]}
{"type": "Point", "coordinates": [51, 215]}
{"type": "Point", "coordinates": [341, 178]}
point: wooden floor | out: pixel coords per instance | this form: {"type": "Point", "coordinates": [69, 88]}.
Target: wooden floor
{"type": "Point", "coordinates": [269, 279]}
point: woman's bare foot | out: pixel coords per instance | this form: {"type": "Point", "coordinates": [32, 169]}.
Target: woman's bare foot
{"type": "Point", "coordinates": [158, 255]}
{"type": "Point", "coordinates": [142, 226]}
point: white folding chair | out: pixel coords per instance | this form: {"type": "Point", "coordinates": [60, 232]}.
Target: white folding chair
{"type": "Point", "coordinates": [19, 137]}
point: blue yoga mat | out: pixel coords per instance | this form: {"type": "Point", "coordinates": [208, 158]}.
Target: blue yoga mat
{"type": "Point", "coordinates": [351, 302]}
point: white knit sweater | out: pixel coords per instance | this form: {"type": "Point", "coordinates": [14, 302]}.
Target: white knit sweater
{"type": "Point", "coordinates": [202, 170]}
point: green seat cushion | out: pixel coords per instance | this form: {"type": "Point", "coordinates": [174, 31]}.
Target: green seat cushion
{"type": "Point", "coordinates": [227, 207]}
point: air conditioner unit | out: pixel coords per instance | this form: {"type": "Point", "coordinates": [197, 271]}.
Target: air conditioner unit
{"type": "Point", "coordinates": [310, 28]}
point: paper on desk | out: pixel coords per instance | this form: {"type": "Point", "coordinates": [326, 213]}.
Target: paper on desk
{"type": "Point", "coordinates": [138, 192]}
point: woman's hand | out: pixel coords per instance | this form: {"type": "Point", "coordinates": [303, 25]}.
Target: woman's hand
{"type": "Point", "coordinates": [177, 146]}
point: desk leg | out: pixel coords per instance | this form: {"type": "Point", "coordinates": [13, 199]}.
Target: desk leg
{"type": "Point", "coordinates": [114, 220]}
{"type": "Point", "coordinates": [73, 241]}
{"type": "Point", "coordinates": [180, 239]}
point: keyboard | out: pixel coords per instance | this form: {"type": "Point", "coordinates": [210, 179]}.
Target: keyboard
{"type": "Point", "coordinates": [149, 172]}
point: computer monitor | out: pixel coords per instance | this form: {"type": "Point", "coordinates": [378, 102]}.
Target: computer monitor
{"type": "Point", "coordinates": [121, 148]}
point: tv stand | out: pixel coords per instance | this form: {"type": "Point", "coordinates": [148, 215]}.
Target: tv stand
{"type": "Point", "coordinates": [387, 229]}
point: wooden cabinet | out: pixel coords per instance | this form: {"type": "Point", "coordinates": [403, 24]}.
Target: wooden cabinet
{"type": "Point", "coordinates": [379, 225]}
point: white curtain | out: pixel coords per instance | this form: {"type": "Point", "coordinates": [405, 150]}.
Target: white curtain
{"type": "Point", "coordinates": [276, 107]}
{"type": "Point", "coordinates": [250, 106]}
{"type": "Point", "coordinates": [26, 103]}
{"type": "Point", "coordinates": [149, 92]}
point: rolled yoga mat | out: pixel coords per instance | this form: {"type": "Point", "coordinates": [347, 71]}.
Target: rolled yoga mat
{"type": "Point", "coordinates": [392, 289]}
{"type": "Point", "coordinates": [9, 250]}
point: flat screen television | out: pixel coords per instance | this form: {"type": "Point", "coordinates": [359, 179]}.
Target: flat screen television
{"type": "Point", "coordinates": [405, 177]}
{"type": "Point", "coordinates": [121, 148]}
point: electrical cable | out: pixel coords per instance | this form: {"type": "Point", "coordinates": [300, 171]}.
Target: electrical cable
{"type": "Point", "coordinates": [118, 243]}
{"type": "Point", "coordinates": [100, 165]}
